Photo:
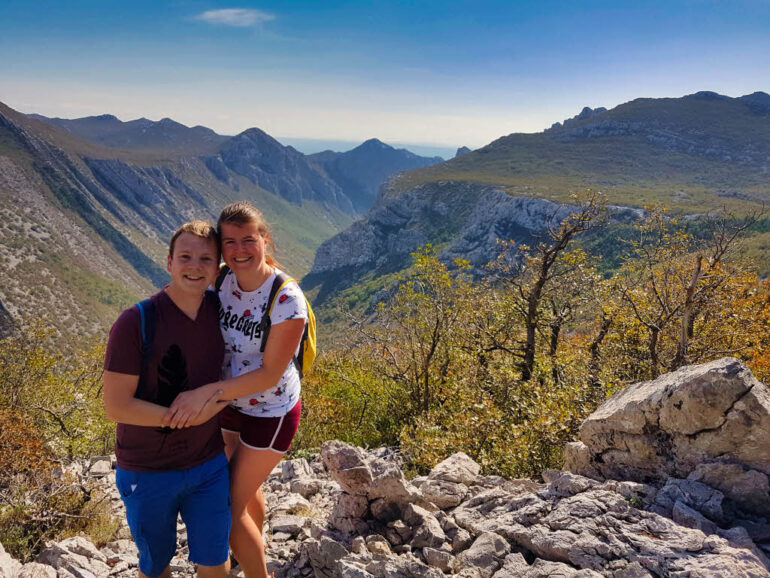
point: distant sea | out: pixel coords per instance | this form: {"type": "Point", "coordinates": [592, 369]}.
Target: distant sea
{"type": "Point", "coordinates": [309, 146]}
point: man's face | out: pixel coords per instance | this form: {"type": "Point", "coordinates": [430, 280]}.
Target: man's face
{"type": "Point", "coordinates": [193, 266]}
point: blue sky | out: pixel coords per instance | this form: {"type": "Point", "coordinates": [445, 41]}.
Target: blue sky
{"type": "Point", "coordinates": [450, 73]}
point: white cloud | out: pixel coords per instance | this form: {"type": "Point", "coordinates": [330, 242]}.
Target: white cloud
{"type": "Point", "coordinates": [241, 17]}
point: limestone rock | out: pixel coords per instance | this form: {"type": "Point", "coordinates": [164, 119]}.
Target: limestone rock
{"type": "Point", "coordinates": [739, 484]}
{"type": "Point", "coordinates": [438, 559]}
{"type": "Point", "coordinates": [698, 496]}
{"type": "Point", "coordinates": [35, 570]}
{"type": "Point", "coordinates": [294, 469]}
{"type": "Point", "coordinates": [377, 545]}
{"type": "Point", "coordinates": [714, 412]}
{"type": "Point", "coordinates": [485, 555]}
{"type": "Point", "coordinates": [686, 516]}
{"type": "Point", "coordinates": [457, 468]}
{"type": "Point", "coordinates": [9, 567]}
{"type": "Point", "coordinates": [348, 466]}
{"type": "Point", "coordinates": [76, 561]}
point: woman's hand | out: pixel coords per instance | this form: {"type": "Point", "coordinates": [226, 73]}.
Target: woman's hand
{"type": "Point", "coordinates": [191, 407]}
{"type": "Point", "coordinates": [211, 408]}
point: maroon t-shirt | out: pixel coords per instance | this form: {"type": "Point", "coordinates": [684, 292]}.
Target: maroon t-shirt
{"type": "Point", "coordinates": [186, 354]}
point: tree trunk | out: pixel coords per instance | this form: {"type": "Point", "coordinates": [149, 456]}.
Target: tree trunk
{"type": "Point", "coordinates": [594, 366]}
{"type": "Point", "coordinates": [553, 346]}
{"type": "Point", "coordinates": [653, 349]}
{"type": "Point", "coordinates": [685, 328]}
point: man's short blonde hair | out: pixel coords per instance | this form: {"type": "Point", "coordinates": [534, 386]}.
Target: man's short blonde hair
{"type": "Point", "coordinates": [198, 228]}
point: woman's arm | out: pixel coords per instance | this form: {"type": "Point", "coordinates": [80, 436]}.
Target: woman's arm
{"type": "Point", "coordinates": [122, 407]}
{"type": "Point", "coordinates": [281, 345]}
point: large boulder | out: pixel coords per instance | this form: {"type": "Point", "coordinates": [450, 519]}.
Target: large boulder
{"type": "Point", "coordinates": [700, 435]}
{"type": "Point", "coordinates": [716, 413]}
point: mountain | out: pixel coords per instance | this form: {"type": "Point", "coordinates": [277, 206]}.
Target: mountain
{"type": "Point", "coordinates": [685, 152]}
{"type": "Point", "coordinates": [694, 154]}
{"type": "Point", "coordinates": [260, 158]}
{"type": "Point", "coordinates": [461, 151]}
{"type": "Point", "coordinates": [85, 226]}
{"type": "Point", "coordinates": [165, 134]}
{"type": "Point", "coordinates": [361, 171]}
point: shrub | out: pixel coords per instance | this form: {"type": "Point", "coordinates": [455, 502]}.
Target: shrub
{"type": "Point", "coordinates": [38, 500]}
{"type": "Point", "coordinates": [50, 413]}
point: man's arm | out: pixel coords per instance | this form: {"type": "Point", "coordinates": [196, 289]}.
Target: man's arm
{"type": "Point", "coordinates": [121, 406]}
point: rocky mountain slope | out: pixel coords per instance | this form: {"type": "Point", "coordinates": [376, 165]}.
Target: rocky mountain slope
{"type": "Point", "coordinates": [695, 151]}
{"type": "Point", "coordinates": [85, 226]}
{"type": "Point", "coordinates": [90, 202]}
{"type": "Point", "coordinates": [265, 162]}
{"type": "Point", "coordinates": [361, 172]}
{"type": "Point", "coordinates": [461, 219]}
{"type": "Point", "coordinates": [693, 154]}
{"type": "Point", "coordinates": [351, 513]}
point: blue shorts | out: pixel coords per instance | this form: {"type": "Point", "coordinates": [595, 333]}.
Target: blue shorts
{"type": "Point", "coordinates": [154, 500]}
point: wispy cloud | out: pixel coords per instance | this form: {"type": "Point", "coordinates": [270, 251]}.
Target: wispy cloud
{"type": "Point", "coordinates": [241, 17]}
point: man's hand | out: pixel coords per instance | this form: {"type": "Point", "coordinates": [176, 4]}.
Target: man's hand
{"type": "Point", "coordinates": [190, 407]}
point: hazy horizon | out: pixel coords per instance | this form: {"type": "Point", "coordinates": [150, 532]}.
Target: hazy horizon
{"type": "Point", "coordinates": [441, 74]}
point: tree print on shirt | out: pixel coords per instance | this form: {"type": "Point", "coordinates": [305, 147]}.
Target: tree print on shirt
{"type": "Point", "coordinates": [172, 376]}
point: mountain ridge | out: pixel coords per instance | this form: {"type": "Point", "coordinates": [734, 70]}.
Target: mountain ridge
{"type": "Point", "coordinates": [361, 171]}
{"type": "Point", "coordinates": [89, 224]}
{"type": "Point", "coordinates": [695, 154]}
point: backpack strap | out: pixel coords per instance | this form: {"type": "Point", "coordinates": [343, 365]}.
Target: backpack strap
{"type": "Point", "coordinates": [281, 279]}
{"type": "Point", "coordinates": [298, 359]}
{"type": "Point", "coordinates": [223, 271]}
{"type": "Point", "coordinates": [147, 328]}
{"type": "Point", "coordinates": [213, 296]}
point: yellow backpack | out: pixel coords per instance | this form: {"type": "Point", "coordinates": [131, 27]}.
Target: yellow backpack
{"type": "Point", "coordinates": [307, 346]}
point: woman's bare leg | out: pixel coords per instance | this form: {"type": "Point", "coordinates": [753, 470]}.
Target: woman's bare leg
{"type": "Point", "coordinates": [249, 469]}
{"type": "Point", "coordinates": [232, 441]}
{"type": "Point", "coordinates": [256, 506]}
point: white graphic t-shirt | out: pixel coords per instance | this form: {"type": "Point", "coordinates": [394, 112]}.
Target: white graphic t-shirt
{"type": "Point", "coordinates": [239, 318]}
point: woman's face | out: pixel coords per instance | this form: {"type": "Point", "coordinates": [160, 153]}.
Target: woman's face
{"type": "Point", "coordinates": [243, 247]}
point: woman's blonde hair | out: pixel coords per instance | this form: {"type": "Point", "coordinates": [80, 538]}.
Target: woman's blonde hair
{"type": "Point", "coordinates": [243, 212]}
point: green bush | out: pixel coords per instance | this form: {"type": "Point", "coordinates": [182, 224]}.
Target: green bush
{"type": "Point", "coordinates": [50, 414]}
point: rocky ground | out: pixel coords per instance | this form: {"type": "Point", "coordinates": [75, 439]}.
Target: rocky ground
{"type": "Point", "coordinates": [695, 507]}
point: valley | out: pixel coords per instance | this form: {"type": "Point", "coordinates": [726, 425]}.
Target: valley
{"type": "Point", "coordinates": [88, 203]}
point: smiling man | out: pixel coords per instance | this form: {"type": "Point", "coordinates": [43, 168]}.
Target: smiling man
{"type": "Point", "coordinates": [165, 472]}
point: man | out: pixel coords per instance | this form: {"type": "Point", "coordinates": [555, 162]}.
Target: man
{"type": "Point", "coordinates": [164, 472]}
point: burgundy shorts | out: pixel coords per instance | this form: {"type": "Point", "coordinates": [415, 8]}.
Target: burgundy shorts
{"type": "Point", "coordinates": [263, 433]}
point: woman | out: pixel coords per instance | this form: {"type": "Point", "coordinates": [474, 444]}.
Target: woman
{"type": "Point", "coordinates": [264, 387]}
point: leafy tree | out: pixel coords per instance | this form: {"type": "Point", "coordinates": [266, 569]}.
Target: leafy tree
{"type": "Point", "coordinates": [547, 271]}
{"type": "Point", "coordinates": [679, 295]}
{"type": "Point", "coordinates": [415, 337]}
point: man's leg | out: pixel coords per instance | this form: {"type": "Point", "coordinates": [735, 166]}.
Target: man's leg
{"type": "Point", "coordinates": [152, 505]}
{"type": "Point", "coordinates": [166, 574]}
{"type": "Point", "coordinates": [205, 510]}
{"type": "Point", "coordinates": [211, 571]}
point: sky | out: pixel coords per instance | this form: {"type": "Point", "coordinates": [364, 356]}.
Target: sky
{"type": "Point", "coordinates": [448, 73]}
